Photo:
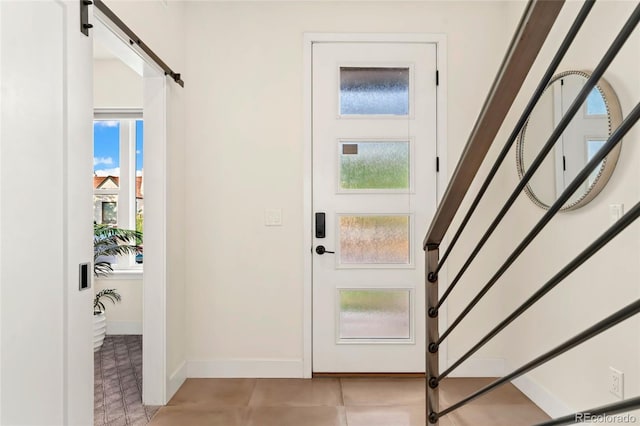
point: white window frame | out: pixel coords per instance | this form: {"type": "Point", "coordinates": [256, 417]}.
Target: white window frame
{"type": "Point", "coordinates": [126, 192]}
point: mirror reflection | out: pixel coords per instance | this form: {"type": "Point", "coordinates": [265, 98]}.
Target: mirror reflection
{"type": "Point", "coordinates": [585, 135]}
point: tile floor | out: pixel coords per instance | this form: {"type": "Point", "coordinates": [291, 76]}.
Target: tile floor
{"type": "Point", "coordinates": [338, 402]}
{"type": "Point", "coordinates": [118, 383]}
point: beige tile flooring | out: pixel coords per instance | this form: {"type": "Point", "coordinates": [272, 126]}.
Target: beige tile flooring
{"type": "Point", "coordinates": [339, 402]}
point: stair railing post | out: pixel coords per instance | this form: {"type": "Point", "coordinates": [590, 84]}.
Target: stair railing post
{"type": "Point", "coordinates": [432, 367]}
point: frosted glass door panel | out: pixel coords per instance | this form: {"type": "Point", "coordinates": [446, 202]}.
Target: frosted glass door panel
{"type": "Point", "coordinates": [374, 239]}
{"type": "Point", "coordinates": [374, 314]}
{"type": "Point", "coordinates": [374, 165]}
{"type": "Point", "coordinates": [379, 91]}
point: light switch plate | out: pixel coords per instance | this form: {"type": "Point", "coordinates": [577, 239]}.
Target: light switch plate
{"type": "Point", "coordinates": [273, 217]}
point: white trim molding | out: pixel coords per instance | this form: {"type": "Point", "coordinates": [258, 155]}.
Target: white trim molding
{"type": "Point", "coordinates": [440, 40]}
{"type": "Point", "coordinates": [124, 327]}
{"type": "Point", "coordinates": [154, 281]}
{"type": "Point", "coordinates": [176, 379]}
{"type": "Point", "coordinates": [124, 274]}
{"type": "Point", "coordinates": [246, 367]}
{"type": "Point", "coordinates": [541, 396]}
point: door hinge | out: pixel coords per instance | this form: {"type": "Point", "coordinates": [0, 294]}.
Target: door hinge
{"type": "Point", "coordinates": [564, 163]}
{"type": "Point", "coordinates": [437, 78]}
{"type": "Point", "coordinates": [84, 17]}
{"type": "Point", "coordinates": [437, 164]}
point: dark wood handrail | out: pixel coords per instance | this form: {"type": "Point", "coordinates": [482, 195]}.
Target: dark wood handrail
{"type": "Point", "coordinates": [536, 23]}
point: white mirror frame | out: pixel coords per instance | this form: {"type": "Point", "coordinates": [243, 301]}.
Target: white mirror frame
{"type": "Point", "coordinates": [614, 116]}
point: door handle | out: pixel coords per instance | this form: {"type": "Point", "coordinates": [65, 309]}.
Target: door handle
{"type": "Point", "coordinates": [322, 250]}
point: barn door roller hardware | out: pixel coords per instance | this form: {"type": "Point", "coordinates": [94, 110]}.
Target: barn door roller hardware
{"type": "Point", "coordinates": [133, 38]}
{"type": "Point", "coordinates": [84, 17]}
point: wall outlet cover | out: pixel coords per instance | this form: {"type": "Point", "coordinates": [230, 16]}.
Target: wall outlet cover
{"type": "Point", "coordinates": [616, 382]}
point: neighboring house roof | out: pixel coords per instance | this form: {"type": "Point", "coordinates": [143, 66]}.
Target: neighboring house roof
{"type": "Point", "coordinates": [110, 182]}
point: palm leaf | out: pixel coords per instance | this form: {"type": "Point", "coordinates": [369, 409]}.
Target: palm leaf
{"type": "Point", "coordinates": [109, 294]}
{"type": "Point", "coordinates": [110, 242]}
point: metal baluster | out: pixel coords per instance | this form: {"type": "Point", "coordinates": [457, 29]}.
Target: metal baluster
{"type": "Point", "coordinates": [432, 367]}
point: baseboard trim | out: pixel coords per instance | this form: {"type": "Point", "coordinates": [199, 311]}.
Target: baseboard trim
{"type": "Point", "coordinates": [479, 367]}
{"type": "Point", "coordinates": [293, 368]}
{"type": "Point", "coordinates": [248, 367]}
{"type": "Point", "coordinates": [541, 396]}
{"type": "Point", "coordinates": [371, 375]}
{"type": "Point", "coordinates": [176, 380]}
{"type": "Point", "coordinates": [124, 327]}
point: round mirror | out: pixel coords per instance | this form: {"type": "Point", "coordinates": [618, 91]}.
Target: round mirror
{"type": "Point", "coordinates": [586, 134]}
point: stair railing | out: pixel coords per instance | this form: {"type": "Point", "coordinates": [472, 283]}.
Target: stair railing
{"type": "Point", "coordinates": [537, 20]}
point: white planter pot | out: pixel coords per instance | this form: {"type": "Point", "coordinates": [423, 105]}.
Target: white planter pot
{"type": "Point", "coordinates": [99, 330]}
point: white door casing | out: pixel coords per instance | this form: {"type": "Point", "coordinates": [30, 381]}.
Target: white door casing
{"type": "Point", "coordinates": [45, 214]}
{"type": "Point", "coordinates": [342, 342]}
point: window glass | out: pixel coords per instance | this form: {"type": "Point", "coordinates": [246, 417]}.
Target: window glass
{"type": "Point", "coordinates": [109, 212]}
{"type": "Point", "coordinates": [112, 204]}
{"type": "Point", "coordinates": [139, 180]}
{"type": "Point", "coordinates": [106, 148]}
{"type": "Point", "coordinates": [370, 239]}
{"type": "Point", "coordinates": [595, 103]}
{"type": "Point", "coordinates": [374, 165]}
{"type": "Point", "coordinates": [374, 314]}
{"type": "Point", "coordinates": [369, 90]}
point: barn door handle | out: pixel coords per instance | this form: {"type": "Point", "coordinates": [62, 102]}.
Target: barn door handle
{"type": "Point", "coordinates": [320, 222]}
{"type": "Point", "coordinates": [322, 250]}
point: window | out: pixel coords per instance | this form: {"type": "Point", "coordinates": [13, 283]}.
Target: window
{"type": "Point", "coordinates": [379, 91]}
{"type": "Point", "coordinates": [595, 104]}
{"type": "Point", "coordinates": [118, 177]}
{"type": "Point", "coordinates": [109, 212]}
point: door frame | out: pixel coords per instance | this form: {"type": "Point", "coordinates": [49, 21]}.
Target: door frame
{"type": "Point", "coordinates": [156, 384]}
{"type": "Point", "coordinates": [440, 40]}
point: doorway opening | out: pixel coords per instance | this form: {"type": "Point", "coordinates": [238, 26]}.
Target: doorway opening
{"type": "Point", "coordinates": [140, 194]}
{"type": "Point", "coordinates": [118, 221]}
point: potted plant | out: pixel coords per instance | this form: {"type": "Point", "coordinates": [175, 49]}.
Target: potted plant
{"type": "Point", "coordinates": [99, 318]}
{"type": "Point", "coordinates": [109, 243]}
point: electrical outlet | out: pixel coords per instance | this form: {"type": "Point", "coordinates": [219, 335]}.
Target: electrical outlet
{"type": "Point", "coordinates": [616, 382]}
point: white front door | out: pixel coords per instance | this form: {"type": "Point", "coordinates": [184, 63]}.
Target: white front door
{"type": "Point", "coordinates": [374, 193]}
{"type": "Point", "coordinates": [46, 356]}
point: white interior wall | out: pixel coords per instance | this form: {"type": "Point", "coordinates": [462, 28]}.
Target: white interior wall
{"type": "Point", "coordinates": [244, 149]}
{"type": "Point", "coordinates": [124, 317]}
{"type": "Point", "coordinates": [115, 85]}
{"type": "Point", "coordinates": [579, 378]}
